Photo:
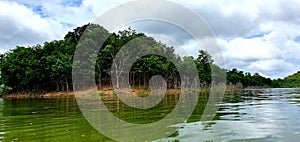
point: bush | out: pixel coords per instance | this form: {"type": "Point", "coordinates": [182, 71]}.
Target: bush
{"type": "Point", "coordinates": [144, 94]}
{"type": "Point", "coordinates": [31, 95]}
{"type": "Point", "coordinates": [113, 94]}
{"type": "Point", "coordinates": [4, 90]}
{"type": "Point", "coordinates": [97, 94]}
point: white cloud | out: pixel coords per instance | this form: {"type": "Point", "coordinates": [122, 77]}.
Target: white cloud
{"type": "Point", "coordinates": [34, 22]}
{"type": "Point", "coordinates": [21, 26]}
{"type": "Point", "coordinates": [273, 55]}
{"type": "Point", "coordinates": [249, 49]}
{"type": "Point", "coordinates": [255, 36]}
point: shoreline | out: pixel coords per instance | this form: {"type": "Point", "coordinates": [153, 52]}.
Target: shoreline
{"type": "Point", "coordinates": [104, 92]}
{"type": "Point", "coordinates": [70, 94]}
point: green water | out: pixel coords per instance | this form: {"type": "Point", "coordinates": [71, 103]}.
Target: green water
{"type": "Point", "coordinates": [45, 120]}
{"type": "Point", "coordinates": [249, 115]}
{"type": "Point", "coordinates": [61, 119]}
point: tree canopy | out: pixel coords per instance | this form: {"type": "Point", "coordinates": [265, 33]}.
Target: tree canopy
{"type": "Point", "coordinates": [48, 67]}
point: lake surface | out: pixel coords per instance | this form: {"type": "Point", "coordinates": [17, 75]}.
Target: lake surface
{"type": "Point", "coordinates": [249, 115]}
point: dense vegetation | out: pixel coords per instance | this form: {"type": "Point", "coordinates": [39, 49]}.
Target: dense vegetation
{"type": "Point", "coordinates": [48, 67]}
{"type": "Point", "coordinates": [235, 77]}
{"type": "Point", "coordinates": [289, 81]}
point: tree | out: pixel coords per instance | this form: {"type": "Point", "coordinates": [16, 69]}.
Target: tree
{"type": "Point", "coordinates": [203, 64]}
{"type": "Point", "coordinates": [48, 67]}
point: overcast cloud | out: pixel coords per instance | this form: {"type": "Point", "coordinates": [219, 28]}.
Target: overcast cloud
{"type": "Point", "coordinates": [255, 36]}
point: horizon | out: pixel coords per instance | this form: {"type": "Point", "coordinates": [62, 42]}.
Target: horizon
{"type": "Point", "coordinates": [254, 36]}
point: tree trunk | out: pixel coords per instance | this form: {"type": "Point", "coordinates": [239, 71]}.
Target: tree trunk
{"type": "Point", "coordinates": [67, 85]}
{"type": "Point", "coordinates": [130, 78]}
{"type": "Point", "coordinates": [144, 80]}
{"type": "Point", "coordinates": [99, 79]}
{"type": "Point", "coordinates": [133, 84]}
{"type": "Point", "coordinates": [57, 86]}
{"type": "Point", "coordinates": [139, 81]}
{"type": "Point", "coordinates": [117, 81]}
{"type": "Point", "coordinates": [62, 86]}
{"type": "Point", "coordinates": [175, 82]}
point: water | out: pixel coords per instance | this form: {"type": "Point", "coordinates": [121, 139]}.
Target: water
{"type": "Point", "coordinates": [249, 115]}
{"type": "Point", "coordinates": [45, 120]}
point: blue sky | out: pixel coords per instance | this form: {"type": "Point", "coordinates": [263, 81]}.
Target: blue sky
{"type": "Point", "coordinates": [255, 36]}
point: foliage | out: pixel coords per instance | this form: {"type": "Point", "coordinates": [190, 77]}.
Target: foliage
{"type": "Point", "coordinates": [144, 94]}
{"type": "Point", "coordinates": [31, 95]}
{"type": "Point", "coordinates": [97, 94]}
{"type": "Point", "coordinates": [113, 94]}
{"type": "Point", "coordinates": [4, 90]}
{"type": "Point", "coordinates": [48, 67]}
{"type": "Point", "coordinates": [235, 77]}
{"type": "Point", "coordinates": [289, 81]}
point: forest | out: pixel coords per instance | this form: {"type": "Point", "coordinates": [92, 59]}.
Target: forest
{"type": "Point", "coordinates": [48, 67]}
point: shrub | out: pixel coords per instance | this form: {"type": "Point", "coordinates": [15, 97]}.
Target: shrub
{"type": "Point", "coordinates": [100, 94]}
{"type": "Point", "coordinates": [144, 94]}
{"type": "Point", "coordinates": [4, 90]}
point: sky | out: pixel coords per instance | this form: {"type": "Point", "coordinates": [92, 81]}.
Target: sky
{"type": "Point", "coordinates": [253, 35]}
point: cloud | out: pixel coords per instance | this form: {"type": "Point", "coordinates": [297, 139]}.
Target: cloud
{"type": "Point", "coordinates": [273, 55]}
{"type": "Point", "coordinates": [67, 12]}
{"type": "Point", "coordinates": [231, 19]}
{"type": "Point", "coordinates": [255, 36]}
{"type": "Point", "coordinates": [249, 49]}
{"type": "Point", "coordinates": [25, 22]}
{"type": "Point", "coordinates": [153, 27]}
{"type": "Point", "coordinates": [19, 25]}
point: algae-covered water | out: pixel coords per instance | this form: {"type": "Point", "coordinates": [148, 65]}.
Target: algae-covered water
{"type": "Point", "coordinates": [248, 115]}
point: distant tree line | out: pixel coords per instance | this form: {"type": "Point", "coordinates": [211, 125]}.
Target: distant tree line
{"type": "Point", "coordinates": [48, 67]}
{"type": "Point", "coordinates": [289, 81]}
{"type": "Point", "coordinates": [236, 77]}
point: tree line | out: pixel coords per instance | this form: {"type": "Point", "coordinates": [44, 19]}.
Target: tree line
{"type": "Point", "coordinates": [48, 67]}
